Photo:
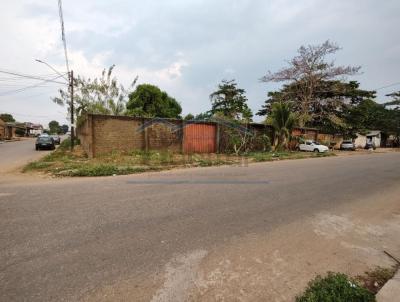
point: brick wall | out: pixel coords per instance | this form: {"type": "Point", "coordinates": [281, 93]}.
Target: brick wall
{"type": "Point", "coordinates": [162, 136]}
{"type": "Point", "coordinates": [110, 133]}
{"type": "Point", "coordinates": [101, 134]}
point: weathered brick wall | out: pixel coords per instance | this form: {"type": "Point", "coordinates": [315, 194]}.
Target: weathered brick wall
{"type": "Point", "coordinates": [101, 134]}
{"type": "Point", "coordinates": [116, 133]}
{"type": "Point", "coordinates": [85, 134]}
{"type": "Point", "coordinates": [164, 136]}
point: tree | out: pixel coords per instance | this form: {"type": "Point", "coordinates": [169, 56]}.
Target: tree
{"type": "Point", "coordinates": [189, 117]}
{"type": "Point", "coordinates": [99, 95]}
{"type": "Point", "coordinates": [230, 101]}
{"type": "Point", "coordinates": [6, 117]}
{"type": "Point", "coordinates": [304, 74]}
{"type": "Point", "coordinates": [333, 100]}
{"type": "Point", "coordinates": [64, 129]}
{"type": "Point", "coordinates": [395, 101]}
{"type": "Point", "coordinates": [54, 127]}
{"type": "Point", "coordinates": [203, 116]}
{"type": "Point", "coordinates": [149, 101]}
{"type": "Point", "coordinates": [283, 121]}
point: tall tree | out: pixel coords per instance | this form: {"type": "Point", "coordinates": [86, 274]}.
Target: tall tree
{"type": "Point", "coordinates": [6, 117]}
{"type": "Point", "coordinates": [149, 101]}
{"type": "Point", "coordinates": [101, 95]}
{"type": "Point", "coordinates": [54, 127]}
{"type": "Point", "coordinates": [230, 101]}
{"type": "Point", "coordinates": [305, 72]}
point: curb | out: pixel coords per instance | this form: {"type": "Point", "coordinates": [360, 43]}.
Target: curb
{"type": "Point", "coordinates": [390, 292]}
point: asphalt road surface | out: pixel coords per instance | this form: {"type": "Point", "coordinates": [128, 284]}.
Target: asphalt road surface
{"type": "Point", "coordinates": [13, 154]}
{"type": "Point", "coordinates": [141, 237]}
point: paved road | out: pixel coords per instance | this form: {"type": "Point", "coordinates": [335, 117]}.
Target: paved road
{"type": "Point", "coordinates": [75, 239]}
{"type": "Point", "coordinates": [14, 154]}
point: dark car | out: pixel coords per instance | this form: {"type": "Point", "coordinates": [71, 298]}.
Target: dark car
{"type": "Point", "coordinates": [45, 142]}
{"type": "Point", "coordinates": [348, 145]}
{"type": "Point", "coordinates": [56, 138]}
{"type": "Point", "coordinates": [369, 146]}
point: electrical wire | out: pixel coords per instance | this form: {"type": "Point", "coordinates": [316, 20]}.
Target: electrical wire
{"type": "Point", "coordinates": [28, 87]}
{"type": "Point", "coordinates": [387, 86]}
{"type": "Point", "coordinates": [31, 77]}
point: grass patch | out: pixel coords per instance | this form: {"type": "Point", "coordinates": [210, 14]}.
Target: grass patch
{"type": "Point", "coordinates": [63, 162]}
{"type": "Point", "coordinates": [375, 279]}
{"type": "Point", "coordinates": [270, 156]}
{"type": "Point", "coordinates": [335, 287]}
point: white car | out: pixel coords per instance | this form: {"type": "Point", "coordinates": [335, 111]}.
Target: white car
{"type": "Point", "coordinates": [313, 146]}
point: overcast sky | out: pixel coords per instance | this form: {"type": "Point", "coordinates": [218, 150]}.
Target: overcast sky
{"type": "Point", "coordinates": [187, 47]}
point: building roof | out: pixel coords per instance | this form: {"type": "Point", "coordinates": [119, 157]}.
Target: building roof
{"type": "Point", "coordinates": [374, 133]}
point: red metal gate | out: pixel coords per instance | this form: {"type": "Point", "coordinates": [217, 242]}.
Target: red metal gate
{"type": "Point", "coordinates": [199, 138]}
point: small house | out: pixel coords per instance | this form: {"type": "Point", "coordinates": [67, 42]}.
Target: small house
{"type": "Point", "coordinates": [373, 137]}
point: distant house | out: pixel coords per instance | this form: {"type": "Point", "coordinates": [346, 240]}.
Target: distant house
{"type": "Point", "coordinates": [36, 129]}
{"type": "Point", "coordinates": [373, 137]}
{"type": "Point", "coordinates": [2, 130]}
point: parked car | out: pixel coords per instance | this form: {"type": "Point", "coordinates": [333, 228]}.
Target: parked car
{"type": "Point", "coordinates": [56, 138]}
{"type": "Point", "coordinates": [348, 145]}
{"type": "Point", "coordinates": [45, 142]}
{"type": "Point", "coordinates": [312, 146]}
{"type": "Point", "coordinates": [370, 145]}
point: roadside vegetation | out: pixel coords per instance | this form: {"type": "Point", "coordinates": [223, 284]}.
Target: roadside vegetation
{"type": "Point", "coordinates": [63, 162]}
{"type": "Point", "coordinates": [338, 287]}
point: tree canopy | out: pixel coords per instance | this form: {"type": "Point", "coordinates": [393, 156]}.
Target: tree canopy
{"type": "Point", "coordinates": [230, 101]}
{"type": "Point", "coordinates": [54, 127]}
{"type": "Point", "coordinates": [308, 75]}
{"type": "Point", "coordinates": [101, 95]}
{"type": "Point", "coordinates": [6, 117]}
{"type": "Point", "coordinates": [149, 101]}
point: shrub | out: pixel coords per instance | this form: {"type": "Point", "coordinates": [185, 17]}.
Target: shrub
{"type": "Point", "coordinates": [335, 287]}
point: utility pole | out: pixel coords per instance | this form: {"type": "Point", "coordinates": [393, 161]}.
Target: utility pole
{"type": "Point", "coordinates": [72, 109]}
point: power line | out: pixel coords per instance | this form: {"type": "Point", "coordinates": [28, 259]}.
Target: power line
{"type": "Point", "coordinates": [31, 76]}
{"type": "Point", "coordinates": [28, 87]}
{"type": "Point", "coordinates": [52, 68]}
{"type": "Point", "coordinates": [387, 86]}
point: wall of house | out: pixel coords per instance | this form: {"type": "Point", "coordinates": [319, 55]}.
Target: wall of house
{"type": "Point", "coordinates": [2, 130]}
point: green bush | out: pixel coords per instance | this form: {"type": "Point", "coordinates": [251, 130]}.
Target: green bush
{"type": "Point", "coordinates": [335, 287]}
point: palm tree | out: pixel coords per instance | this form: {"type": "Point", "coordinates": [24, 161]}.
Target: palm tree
{"type": "Point", "coordinates": [283, 121]}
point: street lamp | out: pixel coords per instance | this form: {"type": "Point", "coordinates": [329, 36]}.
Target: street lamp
{"type": "Point", "coordinates": [48, 65]}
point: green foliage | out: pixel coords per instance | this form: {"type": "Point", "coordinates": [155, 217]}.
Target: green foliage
{"type": "Point", "coordinates": [64, 129]}
{"type": "Point", "coordinates": [149, 101]}
{"type": "Point", "coordinates": [54, 127]}
{"type": "Point", "coordinates": [283, 121]}
{"type": "Point", "coordinates": [189, 117]}
{"type": "Point", "coordinates": [203, 116]}
{"type": "Point", "coordinates": [6, 117]}
{"type": "Point", "coordinates": [99, 95]}
{"type": "Point", "coordinates": [230, 101]}
{"type": "Point", "coordinates": [335, 287]}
